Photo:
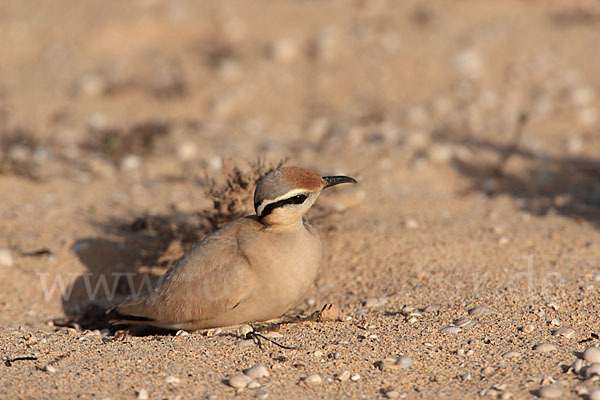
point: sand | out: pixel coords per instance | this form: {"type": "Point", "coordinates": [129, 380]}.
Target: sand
{"type": "Point", "coordinates": [471, 126]}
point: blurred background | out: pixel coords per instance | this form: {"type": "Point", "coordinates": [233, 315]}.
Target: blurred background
{"type": "Point", "coordinates": [111, 111]}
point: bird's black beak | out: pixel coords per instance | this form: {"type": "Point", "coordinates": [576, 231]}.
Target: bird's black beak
{"type": "Point", "coordinates": [334, 180]}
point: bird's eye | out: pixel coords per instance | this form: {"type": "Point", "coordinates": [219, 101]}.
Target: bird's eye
{"type": "Point", "coordinates": [298, 199]}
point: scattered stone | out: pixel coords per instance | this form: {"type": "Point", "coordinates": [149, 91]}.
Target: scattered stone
{"type": "Point", "coordinates": [318, 354]}
{"type": "Point", "coordinates": [257, 372]}
{"type": "Point", "coordinates": [49, 368]}
{"type": "Point", "coordinates": [511, 354]}
{"type": "Point", "coordinates": [173, 380]}
{"type": "Point", "coordinates": [142, 394]}
{"type": "Point", "coordinates": [6, 258]}
{"type": "Point", "coordinates": [273, 335]}
{"type": "Point", "coordinates": [186, 151]}
{"type": "Point", "coordinates": [577, 366]}
{"type": "Point", "coordinates": [253, 385]}
{"type": "Point", "coordinates": [507, 396]}
{"type": "Point", "coordinates": [451, 329]}
{"type": "Point", "coordinates": [411, 223]}
{"type": "Point", "coordinates": [481, 311]}
{"type": "Point", "coordinates": [391, 363]}
{"type": "Point", "coordinates": [592, 370]}
{"type": "Point", "coordinates": [486, 371]}
{"type": "Point", "coordinates": [466, 376]}
{"type": "Point", "coordinates": [391, 393]}
{"type": "Point", "coordinates": [431, 309]}
{"type": "Point", "coordinates": [355, 377]}
{"type": "Point", "coordinates": [243, 330]}
{"type": "Point", "coordinates": [550, 392]}
{"type": "Point", "coordinates": [376, 302]}
{"type": "Point", "coordinates": [464, 322]}
{"type": "Point", "coordinates": [528, 328]}
{"type": "Point", "coordinates": [314, 379]}
{"type": "Point", "coordinates": [343, 376]}
{"type": "Point", "coordinates": [564, 332]}
{"type": "Point", "coordinates": [182, 333]}
{"type": "Point", "coordinates": [239, 381]}
{"type": "Point", "coordinates": [592, 354]}
{"type": "Point", "coordinates": [544, 347]}
{"type": "Point", "coordinates": [329, 312]}
{"type": "Point", "coordinates": [130, 162]}
{"type": "Point", "coordinates": [244, 343]}
{"type": "Point", "coordinates": [594, 394]}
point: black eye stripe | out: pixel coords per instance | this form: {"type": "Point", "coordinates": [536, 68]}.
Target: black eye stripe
{"type": "Point", "coordinates": [298, 199]}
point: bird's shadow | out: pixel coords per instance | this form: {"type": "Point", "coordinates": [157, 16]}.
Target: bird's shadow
{"type": "Point", "coordinates": [126, 262]}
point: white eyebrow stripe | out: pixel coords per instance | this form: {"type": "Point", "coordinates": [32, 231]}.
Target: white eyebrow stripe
{"type": "Point", "coordinates": [289, 194]}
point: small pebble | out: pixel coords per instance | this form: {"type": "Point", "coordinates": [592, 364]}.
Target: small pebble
{"type": "Point", "coordinates": [355, 377]}
{"type": "Point", "coordinates": [592, 354]}
{"type": "Point", "coordinates": [577, 366]}
{"type": "Point", "coordinates": [528, 328]}
{"type": "Point", "coordinates": [550, 392]}
{"type": "Point", "coordinates": [481, 311]}
{"type": "Point", "coordinates": [376, 302]}
{"type": "Point", "coordinates": [343, 376]}
{"type": "Point", "coordinates": [257, 372]}
{"type": "Point", "coordinates": [391, 394]}
{"type": "Point", "coordinates": [49, 368]}
{"type": "Point", "coordinates": [592, 370]}
{"type": "Point", "coordinates": [182, 333]}
{"type": "Point", "coordinates": [451, 329]}
{"type": "Point", "coordinates": [466, 376]}
{"type": "Point", "coordinates": [244, 343]}
{"type": "Point", "coordinates": [391, 363]}
{"type": "Point", "coordinates": [273, 335]}
{"type": "Point", "coordinates": [314, 379]}
{"type": "Point", "coordinates": [594, 394]}
{"type": "Point", "coordinates": [486, 371]}
{"type": "Point", "coordinates": [253, 385]}
{"type": "Point", "coordinates": [243, 330]}
{"type": "Point", "coordinates": [411, 223]}
{"type": "Point", "coordinates": [511, 354]}
{"type": "Point", "coordinates": [172, 380]}
{"type": "Point", "coordinates": [239, 381]}
{"type": "Point", "coordinates": [431, 309]}
{"type": "Point", "coordinates": [142, 394]}
{"type": "Point", "coordinates": [6, 258]}
{"type": "Point", "coordinates": [329, 312]}
{"type": "Point", "coordinates": [544, 347]}
{"type": "Point", "coordinates": [464, 322]}
{"type": "Point", "coordinates": [564, 332]}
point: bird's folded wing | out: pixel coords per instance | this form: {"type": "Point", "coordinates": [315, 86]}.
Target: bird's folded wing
{"type": "Point", "coordinates": [210, 279]}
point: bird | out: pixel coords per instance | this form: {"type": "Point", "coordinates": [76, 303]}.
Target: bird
{"type": "Point", "coordinates": [253, 269]}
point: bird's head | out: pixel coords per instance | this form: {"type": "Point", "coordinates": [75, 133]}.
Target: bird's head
{"type": "Point", "coordinates": [284, 195]}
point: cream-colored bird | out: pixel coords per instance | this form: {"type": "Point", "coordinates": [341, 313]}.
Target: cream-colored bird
{"type": "Point", "coordinates": [253, 269]}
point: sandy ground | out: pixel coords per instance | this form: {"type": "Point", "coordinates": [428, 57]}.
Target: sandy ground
{"type": "Point", "coordinates": [115, 117]}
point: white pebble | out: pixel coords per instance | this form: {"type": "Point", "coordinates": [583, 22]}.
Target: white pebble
{"type": "Point", "coordinates": [355, 377]}
{"type": "Point", "coordinates": [172, 380]}
{"type": "Point", "coordinates": [481, 311]}
{"type": "Point", "coordinates": [243, 330]}
{"type": "Point", "coordinates": [142, 394]}
{"type": "Point", "coordinates": [592, 370]}
{"type": "Point", "coordinates": [343, 376]}
{"type": "Point", "coordinates": [49, 368]}
{"type": "Point", "coordinates": [451, 329]}
{"type": "Point", "coordinates": [182, 333]}
{"type": "Point", "coordinates": [550, 392]}
{"type": "Point", "coordinates": [239, 381]}
{"type": "Point", "coordinates": [253, 385]}
{"type": "Point", "coordinates": [592, 354]}
{"type": "Point", "coordinates": [318, 353]}
{"type": "Point", "coordinates": [464, 322]}
{"type": "Point", "coordinates": [594, 394]}
{"type": "Point", "coordinates": [577, 366]}
{"type": "Point", "coordinates": [314, 379]}
{"type": "Point", "coordinates": [545, 347]}
{"type": "Point", "coordinates": [6, 258]}
{"type": "Point", "coordinates": [392, 363]}
{"type": "Point", "coordinates": [376, 302]}
{"type": "Point", "coordinates": [257, 372]}
{"type": "Point", "coordinates": [511, 354]}
{"type": "Point", "coordinates": [411, 223]}
{"type": "Point", "coordinates": [564, 332]}
{"type": "Point", "coordinates": [131, 162]}
{"type": "Point", "coordinates": [528, 328]}
{"type": "Point", "coordinates": [244, 343]}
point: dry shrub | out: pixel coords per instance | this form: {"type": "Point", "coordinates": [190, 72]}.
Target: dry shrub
{"type": "Point", "coordinates": [234, 197]}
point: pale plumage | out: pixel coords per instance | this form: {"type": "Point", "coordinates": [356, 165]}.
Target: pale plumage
{"type": "Point", "coordinates": [253, 269]}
